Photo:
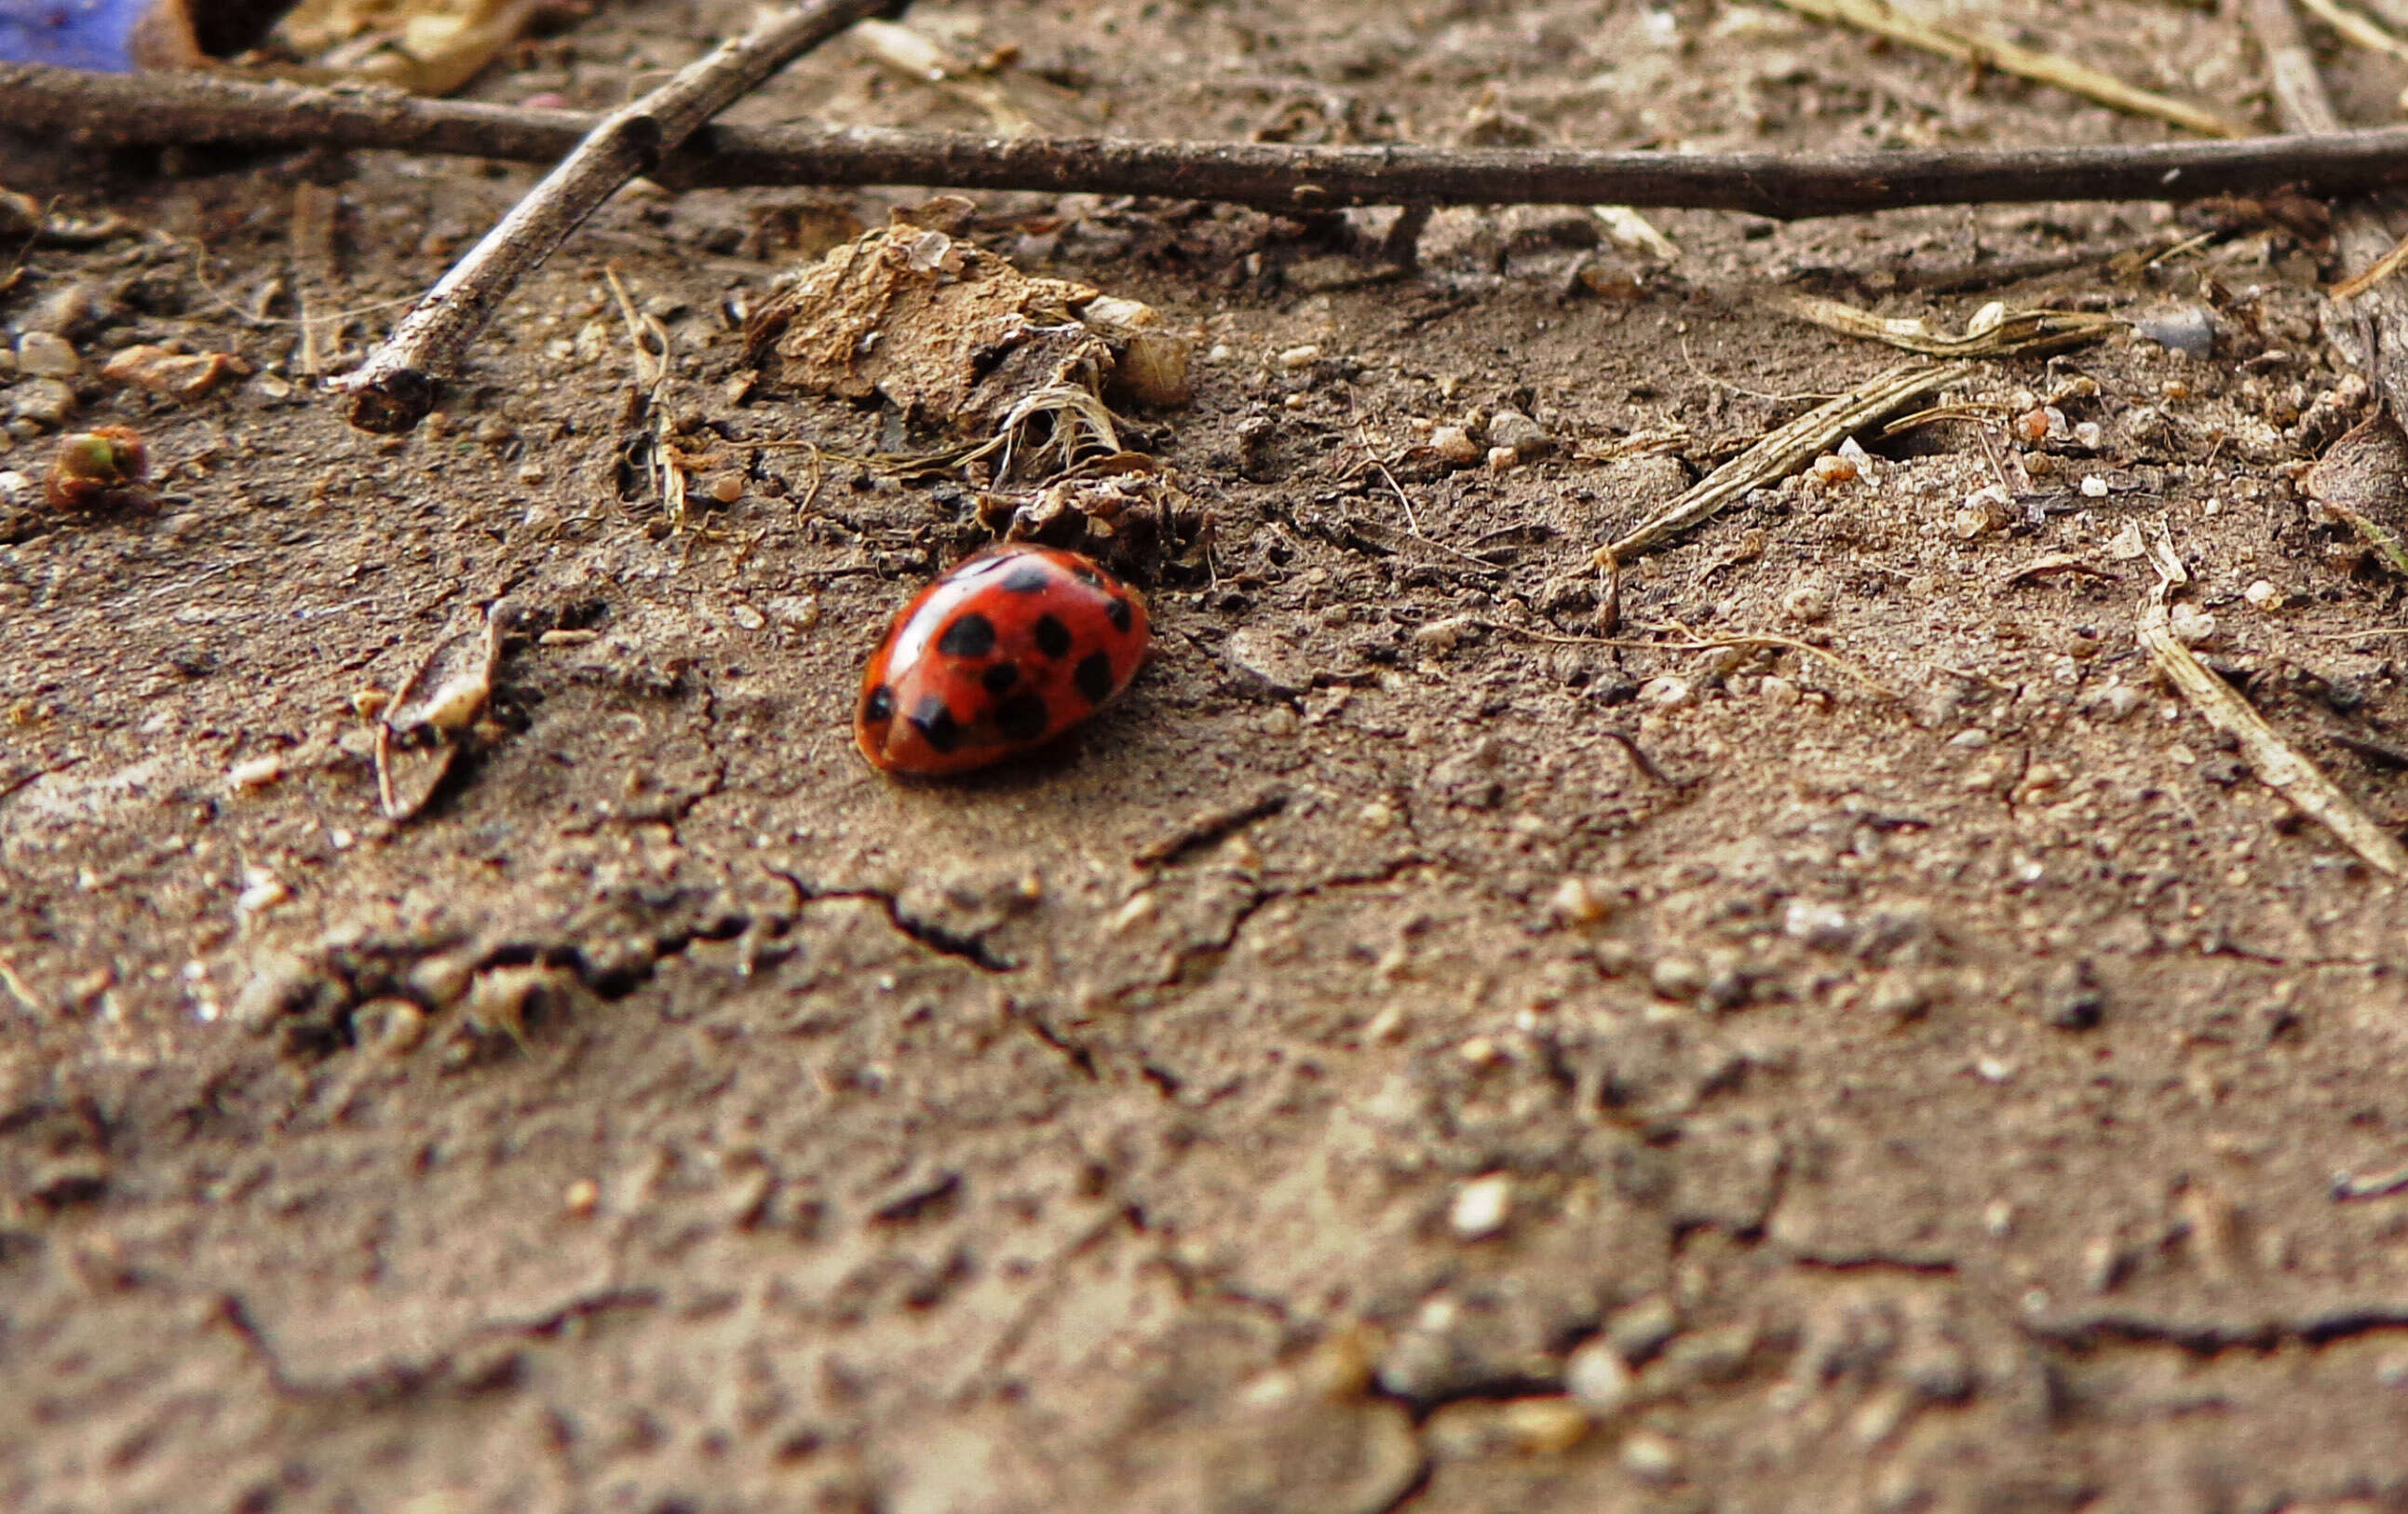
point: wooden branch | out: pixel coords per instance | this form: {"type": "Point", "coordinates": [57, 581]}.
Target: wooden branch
{"type": "Point", "coordinates": [139, 109]}
{"type": "Point", "coordinates": [395, 388]}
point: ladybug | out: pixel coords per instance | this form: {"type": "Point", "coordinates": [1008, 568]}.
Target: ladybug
{"type": "Point", "coordinates": [1005, 652]}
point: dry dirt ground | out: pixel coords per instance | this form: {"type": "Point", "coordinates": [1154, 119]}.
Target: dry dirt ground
{"type": "Point", "coordinates": [1951, 1083]}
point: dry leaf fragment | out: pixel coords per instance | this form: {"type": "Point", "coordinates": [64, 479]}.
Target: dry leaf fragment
{"type": "Point", "coordinates": [944, 330]}
{"type": "Point", "coordinates": [2363, 480]}
{"type": "Point", "coordinates": [426, 46]}
{"type": "Point", "coordinates": [422, 729]}
{"type": "Point", "coordinates": [183, 376]}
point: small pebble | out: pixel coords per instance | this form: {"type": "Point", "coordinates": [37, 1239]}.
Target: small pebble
{"type": "Point", "coordinates": [1543, 1426]}
{"type": "Point", "coordinates": [1598, 1378]}
{"type": "Point", "coordinates": [2089, 436]}
{"type": "Point", "coordinates": [581, 1198]}
{"type": "Point", "coordinates": [2093, 487]}
{"type": "Point", "coordinates": [2193, 626]}
{"type": "Point", "coordinates": [1454, 444]}
{"type": "Point", "coordinates": [2261, 595]}
{"type": "Point", "coordinates": [1296, 358]}
{"type": "Point", "coordinates": [1267, 663]}
{"type": "Point", "coordinates": [1481, 1207]}
{"type": "Point", "coordinates": [1649, 1457]}
{"type": "Point", "coordinates": [390, 1027]}
{"type": "Point", "coordinates": [42, 354]}
{"type": "Point", "coordinates": [1808, 603]}
{"type": "Point", "coordinates": [1973, 739]}
{"type": "Point", "coordinates": [1677, 978]}
{"type": "Point", "coordinates": [258, 772]}
{"type": "Point", "coordinates": [1441, 637]}
{"type": "Point", "coordinates": [1503, 459]}
{"type": "Point", "coordinates": [1833, 470]}
{"type": "Point", "coordinates": [1667, 692]}
{"type": "Point", "coordinates": [1512, 428]}
{"type": "Point", "coordinates": [2187, 329]}
{"type": "Point", "coordinates": [1576, 902]}
{"type": "Point", "coordinates": [44, 403]}
{"type": "Point", "coordinates": [1778, 692]}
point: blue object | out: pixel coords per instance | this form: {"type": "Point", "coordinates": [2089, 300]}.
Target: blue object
{"type": "Point", "coordinates": [97, 35]}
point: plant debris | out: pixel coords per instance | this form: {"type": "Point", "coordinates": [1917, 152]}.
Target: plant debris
{"type": "Point", "coordinates": [951, 333]}
{"type": "Point", "coordinates": [429, 720]}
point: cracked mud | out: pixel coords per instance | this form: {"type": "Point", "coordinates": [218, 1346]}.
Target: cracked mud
{"type": "Point", "coordinates": [1418, 1051]}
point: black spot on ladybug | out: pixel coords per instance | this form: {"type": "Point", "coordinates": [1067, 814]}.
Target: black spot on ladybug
{"type": "Point", "coordinates": [1118, 613]}
{"type": "Point", "coordinates": [1027, 579]}
{"type": "Point", "coordinates": [1021, 718]}
{"type": "Point", "coordinates": [1088, 576]}
{"type": "Point", "coordinates": [937, 725]}
{"type": "Point", "coordinates": [1094, 677]}
{"type": "Point", "coordinates": [880, 707]}
{"type": "Point", "coordinates": [1000, 678]}
{"type": "Point", "coordinates": [971, 635]}
{"type": "Point", "coordinates": [1053, 637]}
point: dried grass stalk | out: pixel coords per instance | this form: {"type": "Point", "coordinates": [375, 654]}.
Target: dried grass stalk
{"type": "Point", "coordinates": [1786, 450]}
{"type": "Point", "coordinates": [1885, 18]}
{"type": "Point", "coordinates": [1995, 331]}
{"type": "Point", "coordinates": [2268, 755]}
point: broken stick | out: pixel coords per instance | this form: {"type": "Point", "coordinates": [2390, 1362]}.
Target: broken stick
{"type": "Point", "coordinates": [395, 388]}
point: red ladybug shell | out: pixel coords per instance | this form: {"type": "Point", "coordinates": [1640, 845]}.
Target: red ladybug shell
{"type": "Point", "coordinates": [1005, 652]}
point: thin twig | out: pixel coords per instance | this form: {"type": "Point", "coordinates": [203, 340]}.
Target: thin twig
{"type": "Point", "coordinates": [398, 386]}
{"type": "Point", "coordinates": [151, 109]}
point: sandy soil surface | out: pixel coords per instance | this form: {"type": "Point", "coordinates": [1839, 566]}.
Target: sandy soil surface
{"type": "Point", "coordinates": [1340, 1079]}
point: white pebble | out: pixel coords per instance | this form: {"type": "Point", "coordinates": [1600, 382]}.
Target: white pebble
{"type": "Point", "coordinates": [1501, 459]}
{"type": "Point", "coordinates": [1677, 978]}
{"type": "Point", "coordinates": [1575, 902]}
{"type": "Point", "coordinates": [2089, 436]}
{"type": "Point", "coordinates": [2263, 594]}
{"type": "Point", "coordinates": [1598, 1378]}
{"type": "Point", "coordinates": [1649, 1457]}
{"type": "Point", "coordinates": [1298, 357]}
{"type": "Point", "coordinates": [1480, 1208]}
{"type": "Point", "coordinates": [1778, 692]}
{"type": "Point", "coordinates": [1667, 692]}
{"type": "Point", "coordinates": [258, 772]}
{"type": "Point", "coordinates": [262, 890]}
{"type": "Point", "coordinates": [1441, 635]}
{"type": "Point", "coordinates": [2093, 487]}
{"type": "Point", "coordinates": [2193, 626]}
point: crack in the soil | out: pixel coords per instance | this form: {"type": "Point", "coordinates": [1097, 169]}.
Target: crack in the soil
{"type": "Point", "coordinates": [404, 1379]}
{"type": "Point", "coordinates": [2086, 1333]}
